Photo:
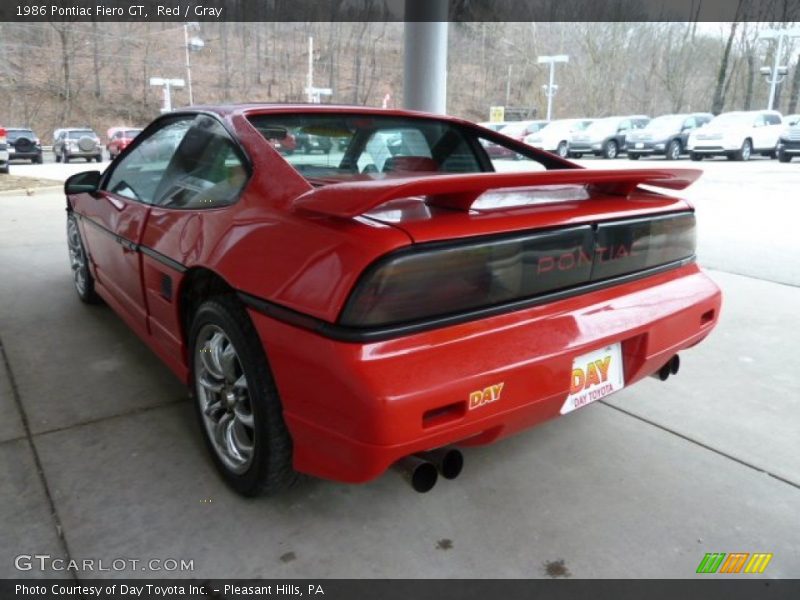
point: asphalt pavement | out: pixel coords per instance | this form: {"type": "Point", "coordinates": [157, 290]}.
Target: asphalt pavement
{"type": "Point", "coordinates": [100, 456]}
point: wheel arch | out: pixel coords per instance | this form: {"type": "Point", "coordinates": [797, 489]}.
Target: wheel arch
{"type": "Point", "coordinates": [198, 285]}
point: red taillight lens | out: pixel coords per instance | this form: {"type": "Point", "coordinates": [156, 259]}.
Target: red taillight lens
{"type": "Point", "coordinates": [439, 280]}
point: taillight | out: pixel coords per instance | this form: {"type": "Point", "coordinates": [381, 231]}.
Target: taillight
{"type": "Point", "coordinates": [437, 280]}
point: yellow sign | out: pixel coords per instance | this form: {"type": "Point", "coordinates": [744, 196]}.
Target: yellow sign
{"type": "Point", "coordinates": [497, 114]}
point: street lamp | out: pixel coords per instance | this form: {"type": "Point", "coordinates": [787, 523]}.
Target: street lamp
{"type": "Point", "coordinates": [167, 84]}
{"type": "Point", "coordinates": [551, 88]}
{"type": "Point", "coordinates": [194, 44]}
{"type": "Point", "coordinates": [777, 73]}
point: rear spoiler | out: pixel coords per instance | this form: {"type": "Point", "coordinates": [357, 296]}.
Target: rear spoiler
{"type": "Point", "coordinates": [353, 198]}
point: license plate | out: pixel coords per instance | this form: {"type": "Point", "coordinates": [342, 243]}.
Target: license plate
{"type": "Point", "coordinates": [639, 145]}
{"type": "Point", "coordinates": [594, 375]}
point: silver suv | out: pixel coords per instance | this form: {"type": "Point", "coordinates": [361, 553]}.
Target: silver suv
{"type": "Point", "coordinates": [77, 143]}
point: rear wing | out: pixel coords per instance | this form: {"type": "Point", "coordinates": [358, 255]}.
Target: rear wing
{"type": "Point", "coordinates": [353, 198]}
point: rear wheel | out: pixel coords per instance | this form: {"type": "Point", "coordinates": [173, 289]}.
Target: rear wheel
{"type": "Point", "coordinates": [79, 263]}
{"type": "Point", "coordinates": [98, 158]}
{"type": "Point", "coordinates": [610, 149]}
{"type": "Point", "coordinates": [695, 156]}
{"type": "Point", "coordinates": [744, 152]}
{"type": "Point", "coordinates": [64, 156]}
{"type": "Point", "coordinates": [58, 157]}
{"type": "Point", "coordinates": [236, 400]}
{"type": "Point", "coordinates": [634, 156]}
{"type": "Point", "coordinates": [783, 157]}
{"type": "Point", "coordinates": [674, 150]}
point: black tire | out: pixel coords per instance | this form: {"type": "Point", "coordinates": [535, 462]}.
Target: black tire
{"type": "Point", "coordinates": [38, 160]}
{"type": "Point", "coordinates": [85, 291]}
{"type": "Point", "coordinates": [610, 149]}
{"type": "Point", "coordinates": [58, 157]}
{"type": "Point", "coordinates": [64, 157]}
{"type": "Point", "coordinates": [745, 152]}
{"type": "Point", "coordinates": [695, 156]}
{"type": "Point", "coordinates": [783, 157]}
{"type": "Point", "coordinates": [674, 150]}
{"type": "Point", "coordinates": [634, 156]}
{"type": "Point", "coordinates": [5, 169]}
{"type": "Point", "coordinates": [270, 469]}
{"type": "Point", "coordinates": [562, 149]}
{"type": "Point", "coordinates": [577, 155]}
{"type": "Point", "coordinates": [98, 158]}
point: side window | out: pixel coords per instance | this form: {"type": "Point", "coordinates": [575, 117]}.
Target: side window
{"type": "Point", "coordinates": [206, 171]}
{"type": "Point", "coordinates": [773, 120]}
{"type": "Point", "coordinates": [624, 125]}
{"type": "Point", "coordinates": [506, 160]}
{"type": "Point", "coordinates": [690, 123]}
{"type": "Point", "coordinates": [759, 122]}
{"type": "Point", "coordinates": [137, 177]}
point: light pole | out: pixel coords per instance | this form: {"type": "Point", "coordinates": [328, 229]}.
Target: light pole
{"type": "Point", "coordinates": [167, 84]}
{"type": "Point", "coordinates": [778, 72]}
{"type": "Point", "coordinates": [194, 44]}
{"type": "Point", "coordinates": [551, 88]}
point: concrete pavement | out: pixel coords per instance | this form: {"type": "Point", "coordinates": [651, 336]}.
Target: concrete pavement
{"type": "Point", "coordinates": [640, 486]}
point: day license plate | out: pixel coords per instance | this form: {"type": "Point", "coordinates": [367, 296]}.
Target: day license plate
{"type": "Point", "coordinates": [594, 375]}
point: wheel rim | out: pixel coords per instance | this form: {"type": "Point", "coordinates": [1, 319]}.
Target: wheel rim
{"type": "Point", "coordinates": [746, 151]}
{"type": "Point", "coordinates": [562, 150]}
{"type": "Point", "coordinates": [612, 150]}
{"type": "Point", "coordinates": [675, 151]}
{"type": "Point", "coordinates": [224, 398]}
{"type": "Point", "coordinates": [77, 257]}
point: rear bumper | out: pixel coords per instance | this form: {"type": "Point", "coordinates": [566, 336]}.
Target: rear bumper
{"type": "Point", "coordinates": [353, 409]}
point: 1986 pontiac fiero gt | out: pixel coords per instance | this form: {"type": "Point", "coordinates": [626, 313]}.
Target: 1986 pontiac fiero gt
{"type": "Point", "coordinates": [399, 293]}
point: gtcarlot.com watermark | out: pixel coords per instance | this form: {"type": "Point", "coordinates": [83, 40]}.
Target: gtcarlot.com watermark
{"type": "Point", "coordinates": [46, 562]}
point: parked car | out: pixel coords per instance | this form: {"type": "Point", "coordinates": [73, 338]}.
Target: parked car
{"type": "Point", "coordinates": [606, 137]}
{"type": "Point", "coordinates": [737, 135]}
{"type": "Point", "coordinates": [554, 137]}
{"type": "Point", "coordinates": [789, 142]}
{"type": "Point", "coordinates": [308, 143]}
{"type": "Point", "coordinates": [666, 135]}
{"type": "Point", "coordinates": [792, 120]}
{"type": "Point", "coordinates": [77, 143]}
{"type": "Point", "coordinates": [519, 130]}
{"type": "Point", "coordinates": [3, 151]}
{"type": "Point", "coordinates": [119, 139]}
{"type": "Point", "coordinates": [336, 318]}
{"type": "Point", "coordinates": [23, 144]}
{"type": "Point", "coordinates": [494, 125]}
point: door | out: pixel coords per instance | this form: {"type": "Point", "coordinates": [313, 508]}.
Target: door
{"type": "Point", "coordinates": [116, 216]}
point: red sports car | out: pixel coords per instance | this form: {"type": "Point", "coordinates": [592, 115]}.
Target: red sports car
{"type": "Point", "coordinates": [336, 314]}
{"type": "Point", "coordinates": [120, 138]}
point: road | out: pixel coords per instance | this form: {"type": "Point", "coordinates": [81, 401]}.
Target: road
{"type": "Point", "coordinates": [108, 461]}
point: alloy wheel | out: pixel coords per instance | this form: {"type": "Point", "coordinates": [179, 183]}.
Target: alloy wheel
{"type": "Point", "coordinates": [77, 257]}
{"type": "Point", "coordinates": [224, 398]}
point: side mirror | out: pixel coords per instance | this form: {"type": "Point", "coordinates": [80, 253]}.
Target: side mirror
{"type": "Point", "coordinates": [82, 183]}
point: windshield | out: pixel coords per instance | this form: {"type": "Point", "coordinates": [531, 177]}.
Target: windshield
{"type": "Point", "coordinates": [603, 126]}
{"type": "Point", "coordinates": [14, 134]}
{"type": "Point", "coordinates": [672, 122]}
{"type": "Point", "coordinates": [353, 146]}
{"type": "Point", "coordinates": [565, 125]}
{"type": "Point", "coordinates": [733, 118]}
{"type": "Point", "coordinates": [79, 133]}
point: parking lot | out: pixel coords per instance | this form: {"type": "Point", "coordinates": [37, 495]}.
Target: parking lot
{"type": "Point", "coordinates": [100, 455]}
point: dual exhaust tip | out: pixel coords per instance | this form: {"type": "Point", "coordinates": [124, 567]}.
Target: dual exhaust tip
{"type": "Point", "coordinates": [422, 470]}
{"type": "Point", "coordinates": [671, 367]}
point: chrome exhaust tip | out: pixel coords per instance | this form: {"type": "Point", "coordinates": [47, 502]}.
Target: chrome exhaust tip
{"type": "Point", "coordinates": [420, 473]}
{"type": "Point", "coordinates": [448, 461]}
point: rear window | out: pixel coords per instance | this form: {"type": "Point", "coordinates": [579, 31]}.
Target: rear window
{"type": "Point", "coordinates": [351, 146]}
{"type": "Point", "coordinates": [14, 134]}
{"type": "Point", "coordinates": [77, 134]}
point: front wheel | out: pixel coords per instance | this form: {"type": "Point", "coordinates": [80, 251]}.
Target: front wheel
{"type": "Point", "coordinates": [634, 156]}
{"type": "Point", "coordinates": [562, 150]}
{"type": "Point", "coordinates": [236, 400]}
{"type": "Point", "coordinates": [695, 156]}
{"type": "Point", "coordinates": [79, 263]}
{"type": "Point", "coordinates": [783, 157]}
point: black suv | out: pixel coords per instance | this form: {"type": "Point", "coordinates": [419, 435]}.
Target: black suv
{"type": "Point", "coordinates": [665, 135]}
{"type": "Point", "coordinates": [77, 143]}
{"type": "Point", "coordinates": [605, 137]}
{"type": "Point", "coordinates": [23, 143]}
